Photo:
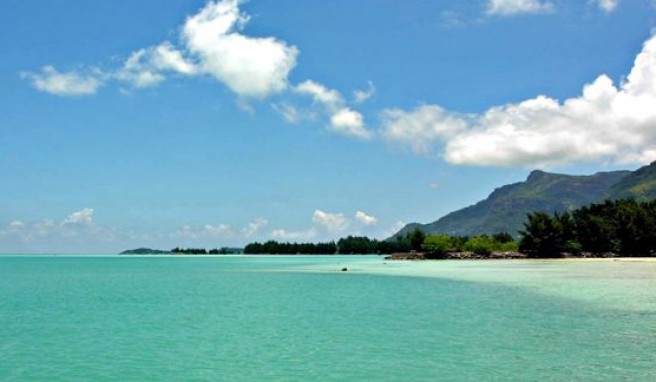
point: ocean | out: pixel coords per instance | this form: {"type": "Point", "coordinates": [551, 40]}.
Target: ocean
{"type": "Point", "coordinates": [300, 318]}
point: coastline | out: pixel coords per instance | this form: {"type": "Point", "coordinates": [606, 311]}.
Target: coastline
{"type": "Point", "coordinates": [423, 256]}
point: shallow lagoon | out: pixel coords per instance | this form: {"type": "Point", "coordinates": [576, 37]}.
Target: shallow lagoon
{"type": "Point", "coordinates": [300, 318]}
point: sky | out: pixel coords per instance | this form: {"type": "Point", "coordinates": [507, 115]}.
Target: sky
{"type": "Point", "coordinates": [165, 123]}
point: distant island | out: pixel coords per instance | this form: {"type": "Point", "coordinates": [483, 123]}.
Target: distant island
{"type": "Point", "coordinates": [184, 251]}
{"type": "Point", "coordinates": [145, 251]}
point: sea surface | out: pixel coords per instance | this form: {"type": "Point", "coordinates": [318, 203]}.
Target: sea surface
{"type": "Point", "coordinates": [298, 318]}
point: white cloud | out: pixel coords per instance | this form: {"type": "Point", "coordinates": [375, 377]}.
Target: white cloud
{"type": "Point", "coordinates": [606, 5]}
{"type": "Point", "coordinates": [212, 44]}
{"type": "Point", "coordinates": [142, 78]}
{"type": "Point", "coordinates": [166, 57]}
{"type": "Point", "coordinates": [254, 227]}
{"type": "Point", "coordinates": [329, 98]}
{"type": "Point", "coordinates": [362, 95]}
{"type": "Point", "coordinates": [281, 234]}
{"type": "Point", "coordinates": [84, 216]}
{"type": "Point", "coordinates": [289, 112]}
{"type": "Point", "coordinates": [350, 123]}
{"type": "Point", "coordinates": [333, 222]}
{"type": "Point", "coordinates": [249, 66]}
{"type": "Point", "coordinates": [516, 7]}
{"type": "Point", "coordinates": [71, 83]}
{"type": "Point", "coordinates": [219, 230]}
{"type": "Point", "coordinates": [613, 123]}
{"type": "Point", "coordinates": [43, 228]}
{"type": "Point", "coordinates": [16, 225]}
{"type": "Point", "coordinates": [207, 231]}
{"type": "Point", "coordinates": [366, 219]}
{"type": "Point", "coordinates": [144, 67]}
{"type": "Point", "coordinates": [421, 127]}
{"type": "Point", "coordinates": [343, 119]}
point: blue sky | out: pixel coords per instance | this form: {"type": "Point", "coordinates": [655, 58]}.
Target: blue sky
{"type": "Point", "coordinates": [194, 123]}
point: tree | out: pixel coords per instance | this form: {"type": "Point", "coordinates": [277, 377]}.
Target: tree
{"type": "Point", "coordinates": [437, 244]}
{"type": "Point", "coordinates": [541, 236]}
{"type": "Point", "coordinates": [481, 245]}
{"type": "Point", "coordinates": [417, 239]}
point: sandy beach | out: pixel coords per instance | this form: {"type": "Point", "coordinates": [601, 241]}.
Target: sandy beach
{"type": "Point", "coordinates": [600, 281]}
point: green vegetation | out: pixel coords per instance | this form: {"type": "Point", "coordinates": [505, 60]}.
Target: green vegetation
{"type": "Point", "coordinates": [639, 185]}
{"type": "Point", "coordinates": [506, 208]}
{"type": "Point", "coordinates": [274, 247]}
{"type": "Point", "coordinates": [626, 227]}
{"type": "Point", "coordinates": [203, 251]}
{"type": "Point", "coordinates": [436, 246]}
{"type": "Point", "coordinates": [347, 246]}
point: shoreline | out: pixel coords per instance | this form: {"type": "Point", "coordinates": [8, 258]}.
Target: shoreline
{"type": "Point", "coordinates": [425, 256]}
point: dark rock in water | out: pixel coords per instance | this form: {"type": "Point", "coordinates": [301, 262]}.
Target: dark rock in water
{"type": "Point", "coordinates": [344, 269]}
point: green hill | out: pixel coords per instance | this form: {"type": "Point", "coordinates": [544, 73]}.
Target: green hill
{"type": "Point", "coordinates": [506, 208]}
{"type": "Point", "coordinates": [639, 185]}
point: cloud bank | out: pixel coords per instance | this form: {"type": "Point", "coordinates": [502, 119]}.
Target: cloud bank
{"type": "Point", "coordinates": [607, 5]}
{"type": "Point", "coordinates": [608, 122]}
{"type": "Point", "coordinates": [517, 7]}
{"type": "Point", "coordinates": [67, 84]}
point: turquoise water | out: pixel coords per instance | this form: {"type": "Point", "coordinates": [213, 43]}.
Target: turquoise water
{"type": "Point", "coordinates": [69, 318]}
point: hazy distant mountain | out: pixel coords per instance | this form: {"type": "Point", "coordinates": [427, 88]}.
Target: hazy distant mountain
{"type": "Point", "coordinates": [506, 208]}
{"type": "Point", "coordinates": [144, 251]}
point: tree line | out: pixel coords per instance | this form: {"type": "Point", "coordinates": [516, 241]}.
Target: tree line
{"type": "Point", "coordinates": [624, 227]}
{"type": "Point", "coordinates": [203, 251]}
{"type": "Point", "coordinates": [347, 246]}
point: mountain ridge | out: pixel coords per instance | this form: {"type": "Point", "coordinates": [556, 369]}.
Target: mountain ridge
{"type": "Point", "coordinates": [505, 209]}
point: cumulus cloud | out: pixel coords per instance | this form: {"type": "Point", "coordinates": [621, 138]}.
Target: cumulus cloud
{"type": "Point", "coordinates": [606, 5]}
{"type": "Point", "coordinates": [221, 231]}
{"type": "Point", "coordinates": [333, 222]}
{"type": "Point", "coordinates": [330, 98]}
{"type": "Point", "coordinates": [43, 234]}
{"type": "Point", "coordinates": [212, 44]}
{"type": "Point", "coordinates": [16, 224]}
{"type": "Point", "coordinates": [218, 230]}
{"type": "Point", "coordinates": [517, 7]}
{"type": "Point", "coordinates": [422, 127]}
{"type": "Point", "coordinates": [343, 119]}
{"type": "Point", "coordinates": [72, 83]}
{"type": "Point", "coordinates": [207, 231]}
{"type": "Point", "coordinates": [145, 67]}
{"type": "Point", "coordinates": [42, 228]}
{"type": "Point", "coordinates": [366, 219]}
{"type": "Point", "coordinates": [349, 122]}
{"type": "Point", "coordinates": [609, 122]}
{"type": "Point", "coordinates": [282, 234]}
{"type": "Point", "coordinates": [253, 228]}
{"type": "Point", "coordinates": [362, 95]}
{"type": "Point", "coordinates": [249, 66]}
{"type": "Point", "coordinates": [84, 216]}
{"type": "Point", "coordinates": [289, 112]}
